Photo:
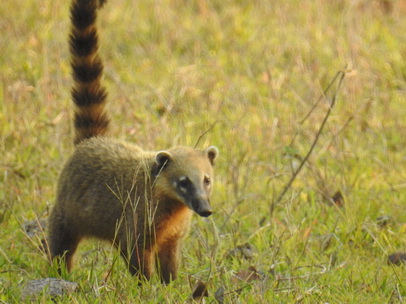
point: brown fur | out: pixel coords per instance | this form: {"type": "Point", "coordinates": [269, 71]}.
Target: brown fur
{"type": "Point", "coordinates": [140, 201]}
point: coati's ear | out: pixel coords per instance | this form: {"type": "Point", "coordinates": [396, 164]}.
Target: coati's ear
{"type": "Point", "coordinates": [162, 158]}
{"type": "Point", "coordinates": [212, 153]}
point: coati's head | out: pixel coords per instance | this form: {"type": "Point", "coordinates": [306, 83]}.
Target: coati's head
{"type": "Point", "coordinates": [186, 175]}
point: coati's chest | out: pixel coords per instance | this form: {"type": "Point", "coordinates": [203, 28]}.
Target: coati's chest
{"type": "Point", "coordinates": [174, 225]}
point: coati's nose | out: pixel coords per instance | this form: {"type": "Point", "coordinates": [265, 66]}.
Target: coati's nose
{"type": "Point", "coordinates": [202, 207]}
{"type": "Point", "coordinates": [206, 213]}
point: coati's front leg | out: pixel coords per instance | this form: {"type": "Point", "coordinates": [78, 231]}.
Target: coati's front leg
{"type": "Point", "coordinates": [140, 261]}
{"type": "Point", "coordinates": [168, 259]}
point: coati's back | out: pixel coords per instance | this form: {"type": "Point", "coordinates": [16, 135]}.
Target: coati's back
{"type": "Point", "coordinates": [99, 182]}
{"type": "Point", "coordinates": [140, 201]}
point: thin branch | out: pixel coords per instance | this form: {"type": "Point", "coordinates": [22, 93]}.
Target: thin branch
{"type": "Point", "coordinates": [325, 91]}
{"type": "Point", "coordinates": [340, 76]}
{"type": "Point", "coordinates": [205, 132]}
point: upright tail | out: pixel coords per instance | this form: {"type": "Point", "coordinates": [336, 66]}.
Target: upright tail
{"type": "Point", "coordinates": [88, 94]}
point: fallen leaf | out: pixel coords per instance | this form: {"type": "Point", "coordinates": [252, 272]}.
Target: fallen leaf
{"type": "Point", "coordinates": [249, 275]}
{"type": "Point", "coordinates": [338, 199]}
{"type": "Point", "coordinates": [199, 291]}
{"type": "Point", "coordinates": [307, 232]}
{"type": "Point", "coordinates": [397, 258]}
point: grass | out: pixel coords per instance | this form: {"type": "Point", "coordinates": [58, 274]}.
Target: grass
{"type": "Point", "coordinates": [253, 70]}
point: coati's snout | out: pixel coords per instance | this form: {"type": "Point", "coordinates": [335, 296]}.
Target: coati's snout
{"type": "Point", "coordinates": [189, 175]}
{"type": "Point", "coordinates": [195, 193]}
{"type": "Point", "coordinates": [202, 207]}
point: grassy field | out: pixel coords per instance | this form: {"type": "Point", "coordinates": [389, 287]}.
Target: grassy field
{"type": "Point", "coordinates": [253, 74]}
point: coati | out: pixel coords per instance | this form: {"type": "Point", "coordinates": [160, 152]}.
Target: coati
{"type": "Point", "coordinates": [140, 201]}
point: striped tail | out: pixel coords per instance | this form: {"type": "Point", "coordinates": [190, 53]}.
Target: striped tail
{"type": "Point", "coordinates": [88, 94]}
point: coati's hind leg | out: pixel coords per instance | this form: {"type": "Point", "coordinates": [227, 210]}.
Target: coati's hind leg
{"type": "Point", "coordinates": [168, 260]}
{"type": "Point", "coordinates": [62, 242]}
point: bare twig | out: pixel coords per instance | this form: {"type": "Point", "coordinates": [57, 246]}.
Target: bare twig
{"type": "Point", "coordinates": [303, 276]}
{"type": "Point", "coordinates": [340, 77]}
{"type": "Point", "coordinates": [323, 95]}
{"type": "Point", "coordinates": [205, 132]}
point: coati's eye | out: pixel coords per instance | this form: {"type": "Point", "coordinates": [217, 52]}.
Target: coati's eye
{"type": "Point", "coordinates": [183, 182]}
{"type": "Point", "coordinates": [206, 180]}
